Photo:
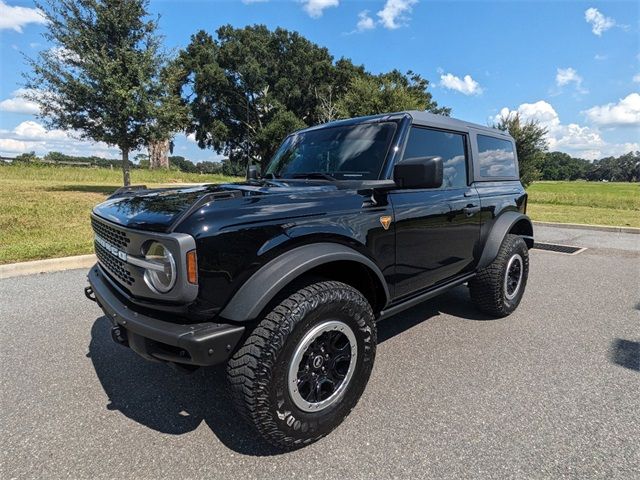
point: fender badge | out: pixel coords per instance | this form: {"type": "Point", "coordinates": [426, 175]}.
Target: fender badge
{"type": "Point", "coordinates": [385, 220]}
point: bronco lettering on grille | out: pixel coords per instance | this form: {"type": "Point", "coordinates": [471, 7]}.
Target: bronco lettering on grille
{"type": "Point", "coordinates": [112, 249]}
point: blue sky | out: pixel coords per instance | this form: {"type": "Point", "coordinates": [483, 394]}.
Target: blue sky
{"type": "Point", "coordinates": [573, 65]}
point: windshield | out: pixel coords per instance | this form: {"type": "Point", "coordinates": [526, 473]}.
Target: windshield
{"type": "Point", "coordinates": [350, 152]}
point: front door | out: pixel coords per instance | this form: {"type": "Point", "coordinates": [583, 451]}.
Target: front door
{"type": "Point", "coordinates": [436, 229]}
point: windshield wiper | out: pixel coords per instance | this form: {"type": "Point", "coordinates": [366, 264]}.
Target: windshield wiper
{"type": "Point", "coordinates": [320, 175]}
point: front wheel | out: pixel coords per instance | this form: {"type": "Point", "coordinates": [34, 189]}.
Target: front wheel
{"type": "Point", "coordinates": [304, 367]}
{"type": "Point", "coordinates": [498, 288]}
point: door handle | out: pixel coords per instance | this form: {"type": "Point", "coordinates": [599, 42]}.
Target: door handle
{"type": "Point", "coordinates": [471, 210]}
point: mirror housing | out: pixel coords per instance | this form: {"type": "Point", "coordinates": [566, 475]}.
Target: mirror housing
{"type": "Point", "coordinates": [419, 172]}
{"type": "Point", "coordinates": [252, 172]}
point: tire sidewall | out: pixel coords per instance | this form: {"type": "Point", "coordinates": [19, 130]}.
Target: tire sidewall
{"type": "Point", "coordinates": [309, 425]}
{"type": "Point", "coordinates": [514, 246]}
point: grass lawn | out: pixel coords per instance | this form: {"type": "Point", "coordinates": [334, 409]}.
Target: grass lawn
{"type": "Point", "coordinates": [596, 203]}
{"type": "Point", "coordinates": [44, 210]}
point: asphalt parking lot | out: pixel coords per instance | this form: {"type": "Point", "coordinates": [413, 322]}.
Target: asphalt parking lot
{"type": "Point", "coordinates": [551, 392]}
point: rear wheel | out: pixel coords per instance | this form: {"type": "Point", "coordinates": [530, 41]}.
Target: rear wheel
{"type": "Point", "coordinates": [498, 288]}
{"type": "Point", "coordinates": [304, 367]}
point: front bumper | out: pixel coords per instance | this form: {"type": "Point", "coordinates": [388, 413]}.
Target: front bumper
{"type": "Point", "coordinates": [199, 344]}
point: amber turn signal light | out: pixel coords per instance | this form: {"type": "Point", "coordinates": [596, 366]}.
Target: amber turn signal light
{"type": "Point", "coordinates": [192, 267]}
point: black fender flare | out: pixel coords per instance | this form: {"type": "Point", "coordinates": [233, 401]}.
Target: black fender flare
{"type": "Point", "coordinates": [254, 295]}
{"type": "Point", "coordinates": [501, 227]}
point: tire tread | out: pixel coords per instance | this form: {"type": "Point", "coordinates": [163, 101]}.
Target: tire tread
{"type": "Point", "coordinates": [248, 370]}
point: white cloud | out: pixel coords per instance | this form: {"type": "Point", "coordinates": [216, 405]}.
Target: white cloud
{"type": "Point", "coordinates": [636, 78]}
{"type": "Point", "coordinates": [565, 76]}
{"type": "Point", "coordinates": [14, 18]}
{"type": "Point", "coordinates": [315, 8]}
{"type": "Point", "coordinates": [10, 145]}
{"type": "Point", "coordinates": [34, 131]}
{"type": "Point", "coordinates": [599, 23]}
{"type": "Point", "coordinates": [33, 136]}
{"type": "Point", "coordinates": [365, 22]}
{"type": "Point", "coordinates": [600, 57]}
{"type": "Point", "coordinates": [581, 141]}
{"type": "Point", "coordinates": [466, 85]}
{"type": "Point", "coordinates": [18, 104]}
{"type": "Point", "coordinates": [626, 112]}
{"type": "Point", "coordinates": [541, 111]}
{"type": "Point", "coordinates": [394, 14]}
{"type": "Point", "coordinates": [248, 2]}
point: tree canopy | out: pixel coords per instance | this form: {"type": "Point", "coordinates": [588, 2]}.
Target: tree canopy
{"type": "Point", "coordinates": [249, 87]}
{"type": "Point", "coordinates": [562, 166]}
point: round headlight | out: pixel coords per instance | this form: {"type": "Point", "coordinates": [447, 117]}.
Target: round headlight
{"type": "Point", "coordinates": [162, 277]}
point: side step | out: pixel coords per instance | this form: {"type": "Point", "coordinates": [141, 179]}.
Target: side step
{"type": "Point", "coordinates": [424, 296]}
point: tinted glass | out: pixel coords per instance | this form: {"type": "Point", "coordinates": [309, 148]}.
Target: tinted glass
{"type": "Point", "coordinates": [350, 152]}
{"type": "Point", "coordinates": [496, 157]}
{"type": "Point", "coordinates": [450, 146]}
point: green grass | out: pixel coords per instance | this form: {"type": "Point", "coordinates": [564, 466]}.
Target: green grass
{"type": "Point", "coordinates": [596, 203]}
{"type": "Point", "coordinates": [44, 210]}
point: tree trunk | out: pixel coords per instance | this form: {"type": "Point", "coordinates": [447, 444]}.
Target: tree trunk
{"type": "Point", "coordinates": [126, 177]}
{"type": "Point", "coordinates": [159, 154]}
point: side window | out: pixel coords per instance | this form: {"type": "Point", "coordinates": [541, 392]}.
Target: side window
{"type": "Point", "coordinates": [424, 142]}
{"type": "Point", "coordinates": [496, 157]}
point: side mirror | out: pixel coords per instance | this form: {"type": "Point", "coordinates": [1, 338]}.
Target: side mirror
{"type": "Point", "coordinates": [252, 172]}
{"type": "Point", "coordinates": [419, 172]}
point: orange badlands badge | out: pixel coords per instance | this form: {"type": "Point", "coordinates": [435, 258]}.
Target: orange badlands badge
{"type": "Point", "coordinates": [385, 220]}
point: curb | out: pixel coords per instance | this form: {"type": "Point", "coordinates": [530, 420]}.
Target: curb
{"type": "Point", "coordinates": [586, 226]}
{"type": "Point", "coordinates": [49, 265]}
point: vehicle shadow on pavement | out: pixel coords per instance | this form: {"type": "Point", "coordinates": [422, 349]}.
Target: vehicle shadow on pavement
{"type": "Point", "coordinates": [626, 353]}
{"type": "Point", "coordinates": [455, 302]}
{"type": "Point", "coordinates": [172, 402]}
{"type": "Point", "coordinates": [166, 400]}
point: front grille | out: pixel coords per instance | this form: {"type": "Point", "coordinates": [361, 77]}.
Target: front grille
{"type": "Point", "coordinates": [112, 235]}
{"type": "Point", "coordinates": [115, 266]}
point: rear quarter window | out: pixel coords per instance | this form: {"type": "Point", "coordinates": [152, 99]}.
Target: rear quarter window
{"type": "Point", "coordinates": [496, 157]}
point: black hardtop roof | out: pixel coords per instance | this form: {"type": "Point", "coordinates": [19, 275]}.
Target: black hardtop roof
{"type": "Point", "coordinates": [419, 118]}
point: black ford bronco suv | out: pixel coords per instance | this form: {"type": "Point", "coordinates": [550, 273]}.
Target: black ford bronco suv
{"type": "Point", "coordinates": [285, 276]}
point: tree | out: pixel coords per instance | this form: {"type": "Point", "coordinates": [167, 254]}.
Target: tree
{"type": "Point", "coordinates": [625, 168]}
{"type": "Point", "coordinates": [389, 92]}
{"type": "Point", "coordinates": [159, 153]}
{"type": "Point", "coordinates": [182, 164]}
{"type": "Point", "coordinates": [251, 86]}
{"type": "Point", "coordinates": [531, 144]}
{"type": "Point", "coordinates": [102, 78]}
{"type": "Point", "coordinates": [171, 116]}
{"type": "Point", "coordinates": [26, 158]}
{"type": "Point", "coordinates": [562, 166]}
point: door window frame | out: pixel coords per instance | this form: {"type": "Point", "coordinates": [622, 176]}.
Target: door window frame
{"type": "Point", "coordinates": [467, 154]}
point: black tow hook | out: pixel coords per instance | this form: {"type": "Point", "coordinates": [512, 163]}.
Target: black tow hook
{"type": "Point", "coordinates": [88, 292]}
{"type": "Point", "coordinates": [119, 335]}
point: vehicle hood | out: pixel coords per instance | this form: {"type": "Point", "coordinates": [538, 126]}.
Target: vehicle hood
{"type": "Point", "coordinates": [162, 210]}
